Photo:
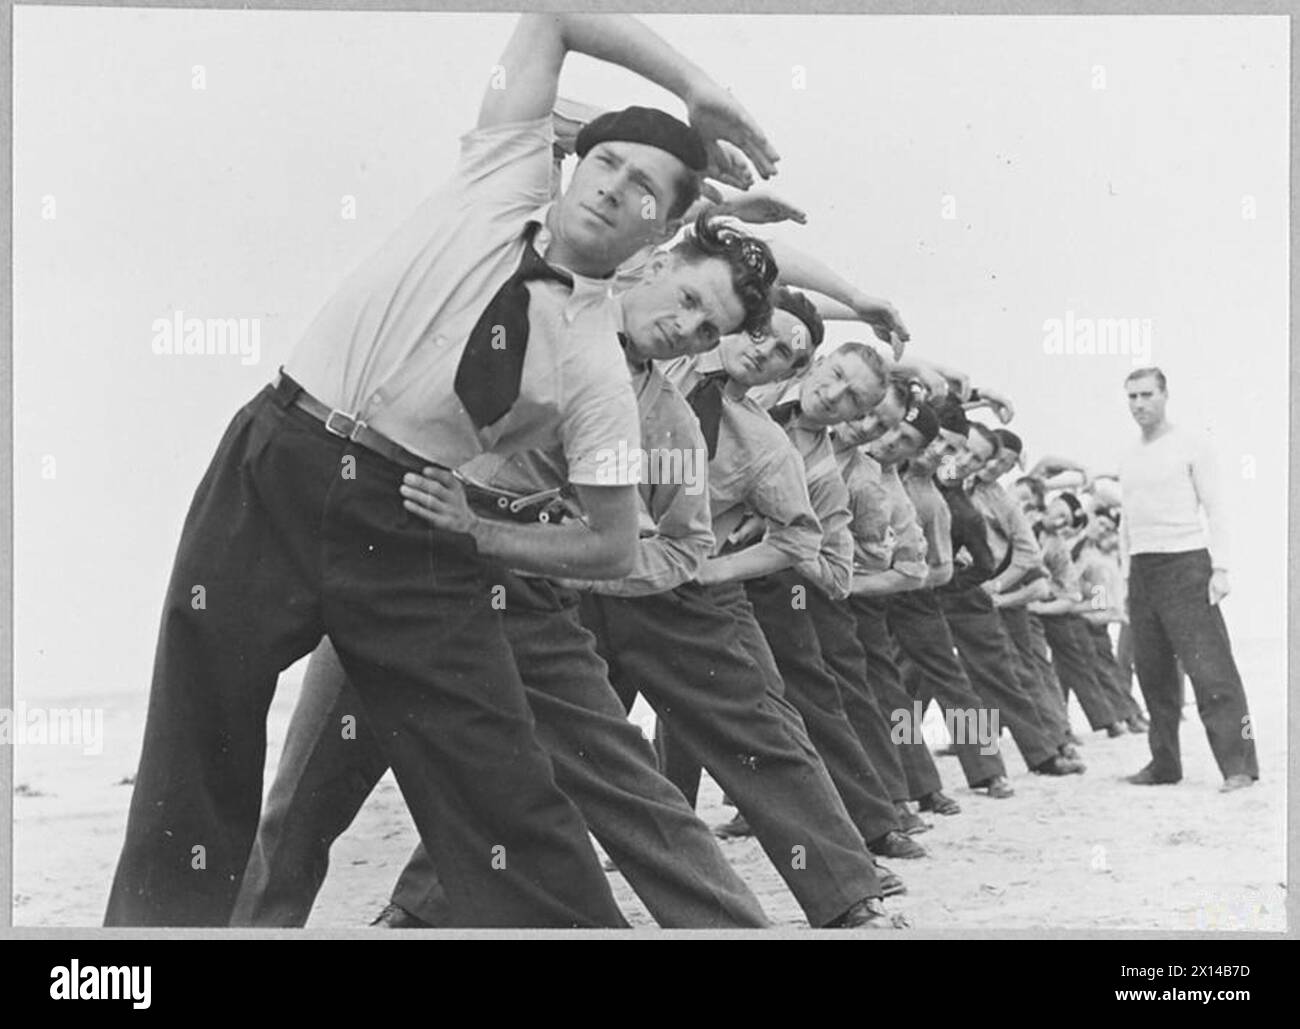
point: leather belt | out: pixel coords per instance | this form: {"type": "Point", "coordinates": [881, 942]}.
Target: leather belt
{"type": "Point", "coordinates": [349, 426]}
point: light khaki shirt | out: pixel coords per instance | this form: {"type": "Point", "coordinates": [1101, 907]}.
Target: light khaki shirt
{"type": "Point", "coordinates": [387, 344]}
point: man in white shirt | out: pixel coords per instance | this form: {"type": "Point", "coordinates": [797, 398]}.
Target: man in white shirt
{"type": "Point", "coordinates": [1177, 574]}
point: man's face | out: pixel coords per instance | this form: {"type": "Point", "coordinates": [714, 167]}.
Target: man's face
{"type": "Point", "coordinates": [1058, 515]}
{"type": "Point", "coordinates": [769, 357]}
{"type": "Point", "coordinates": [942, 452]}
{"type": "Point", "coordinates": [839, 387]}
{"type": "Point", "coordinates": [1146, 400]}
{"type": "Point", "coordinates": [618, 200]}
{"type": "Point", "coordinates": [1025, 496]}
{"type": "Point", "coordinates": [881, 419]}
{"type": "Point", "coordinates": [1101, 530]}
{"type": "Point", "coordinates": [902, 443]}
{"type": "Point", "coordinates": [679, 308]}
{"type": "Point", "coordinates": [976, 456]}
{"type": "Point", "coordinates": [999, 466]}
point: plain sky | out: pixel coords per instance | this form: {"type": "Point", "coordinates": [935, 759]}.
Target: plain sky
{"type": "Point", "coordinates": [1107, 167]}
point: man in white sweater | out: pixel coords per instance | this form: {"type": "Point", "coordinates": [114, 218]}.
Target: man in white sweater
{"type": "Point", "coordinates": [1178, 573]}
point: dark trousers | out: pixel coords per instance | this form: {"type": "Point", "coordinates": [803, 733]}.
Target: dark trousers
{"type": "Point", "coordinates": [687, 656]}
{"type": "Point", "coordinates": [1119, 686]}
{"type": "Point", "coordinates": [1075, 660]}
{"type": "Point", "coordinates": [989, 659]}
{"type": "Point", "coordinates": [293, 534]}
{"type": "Point", "coordinates": [1046, 695]}
{"type": "Point", "coordinates": [1124, 659]}
{"type": "Point", "coordinates": [847, 659]}
{"type": "Point", "coordinates": [872, 627]}
{"type": "Point", "coordinates": [781, 605]}
{"type": "Point", "coordinates": [1173, 621]}
{"type": "Point", "coordinates": [932, 671]}
{"type": "Point", "coordinates": [601, 760]}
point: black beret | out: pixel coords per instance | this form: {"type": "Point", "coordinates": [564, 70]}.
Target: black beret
{"type": "Point", "coordinates": [795, 303]}
{"type": "Point", "coordinates": [649, 126]}
{"type": "Point", "coordinates": [1010, 440]}
{"type": "Point", "coordinates": [921, 417]}
{"type": "Point", "coordinates": [1080, 517]}
{"type": "Point", "coordinates": [951, 415]}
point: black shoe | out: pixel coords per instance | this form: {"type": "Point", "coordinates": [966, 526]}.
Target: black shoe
{"type": "Point", "coordinates": [911, 822]}
{"type": "Point", "coordinates": [1147, 777]}
{"type": "Point", "coordinates": [395, 917]}
{"type": "Point", "coordinates": [867, 914]}
{"type": "Point", "coordinates": [891, 883]}
{"type": "Point", "coordinates": [736, 829]}
{"type": "Point", "coordinates": [1115, 729]}
{"type": "Point", "coordinates": [1058, 765]}
{"type": "Point", "coordinates": [939, 803]}
{"type": "Point", "coordinates": [896, 845]}
{"type": "Point", "coordinates": [998, 788]}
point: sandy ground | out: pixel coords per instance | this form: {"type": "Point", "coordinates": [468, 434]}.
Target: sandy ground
{"type": "Point", "coordinates": [1083, 852]}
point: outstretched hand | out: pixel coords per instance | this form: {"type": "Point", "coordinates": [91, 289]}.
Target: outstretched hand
{"type": "Point", "coordinates": [885, 322]}
{"type": "Point", "coordinates": [763, 209]}
{"type": "Point", "coordinates": [720, 117]}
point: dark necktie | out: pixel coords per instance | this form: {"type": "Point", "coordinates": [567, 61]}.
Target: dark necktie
{"type": "Point", "coordinates": [705, 399]}
{"type": "Point", "coordinates": [492, 364]}
{"type": "Point", "coordinates": [783, 414]}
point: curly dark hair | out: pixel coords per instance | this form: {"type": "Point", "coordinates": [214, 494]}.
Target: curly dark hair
{"type": "Point", "coordinates": [753, 268]}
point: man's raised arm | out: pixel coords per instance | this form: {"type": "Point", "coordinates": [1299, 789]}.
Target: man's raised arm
{"type": "Point", "coordinates": [523, 86]}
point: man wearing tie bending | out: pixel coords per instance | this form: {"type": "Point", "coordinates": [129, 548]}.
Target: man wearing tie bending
{"type": "Point", "coordinates": [483, 324]}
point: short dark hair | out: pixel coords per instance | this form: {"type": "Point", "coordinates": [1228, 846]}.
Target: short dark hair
{"type": "Point", "coordinates": [900, 389]}
{"type": "Point", "coordinates": [753, 268]}
{"type": "Point", "coordinates": [795, 303]}
{"type": "Point", "coordinates": [990, 436]}
{"type": "Point", "coordinates": [952, 416]}
{"type": "Point", "coordinates": [686, 190]}
{"type": "Point", "coordinates": [1153, 372]}
{"type": "Point", "coordinates": [1036, 487]}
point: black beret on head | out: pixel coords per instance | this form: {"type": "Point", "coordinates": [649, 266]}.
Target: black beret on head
{"type": "Point", "coordinates": [951, 415]}
{"type": "Point", "coordinates": [1010, 440]}
{"type": "Point", "coordinates": [921, 417]}
{"type": "Point", "coordinates": [649, 126]}
{"type": "Point", "coordinates": [1080, 517]}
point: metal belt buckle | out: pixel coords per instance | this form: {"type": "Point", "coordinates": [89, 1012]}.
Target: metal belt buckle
{"type": "Point", "coordinates": [354, 429]}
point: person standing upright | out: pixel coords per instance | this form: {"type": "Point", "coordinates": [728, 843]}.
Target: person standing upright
{"type": "Point", "coordinates": [1177, 575]}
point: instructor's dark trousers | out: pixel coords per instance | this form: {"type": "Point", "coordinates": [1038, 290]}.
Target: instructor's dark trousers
{"type": "Point", "coordinates": [295, 533]}
{"type": "Point", "coordinates": [1173, 621]}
